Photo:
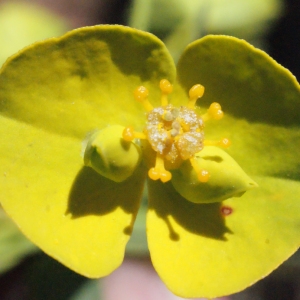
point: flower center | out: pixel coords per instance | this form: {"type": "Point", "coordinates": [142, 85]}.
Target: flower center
{"type": "Point", "coordinates": [175, 133]}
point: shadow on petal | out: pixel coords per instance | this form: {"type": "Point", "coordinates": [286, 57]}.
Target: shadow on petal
{"type": "Point", "coordinates": [93, 194]}
{"type": "Point", "coordinates": [201, 219]}
{"type": "Point", "coordinates": [151, 51]}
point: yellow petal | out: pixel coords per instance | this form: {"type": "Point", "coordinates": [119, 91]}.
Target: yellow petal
{"type": "Point", "coordinates": [51, 95]}
{"type": "Point", "coordinates": [260, 149]}
{"type": "Point", "coordinates": [244, 80]}
{"type": "Point", "coordinates": [260, 98]}
{"type": "Point", "coordinates": [84, 80]}
{"type": "Point", "coordinates": [72, 213]}
{"type": "Point", "coordinates": [211, 250]}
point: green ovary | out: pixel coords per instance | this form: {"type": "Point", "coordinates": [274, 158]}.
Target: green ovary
{"type": "Point", "coordinates": [111, 156]}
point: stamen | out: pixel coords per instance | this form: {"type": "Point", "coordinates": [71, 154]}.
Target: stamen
{"type": "Point", "coordinates": [166, 89]}
{"type": "Point", "coordinates": [175, 133]}
{"type": "Point", "coordinates": [203, 175]}
{"type": "Point", "coordinates": [195, 93]}
{"type": "Point", "coordinates": [159, 171]}
{"type": "Point", "coordinates": [214, 112]}
{"type": "Point", "coordinates": [129, 134]}
{"type": "Point", "coordinates": [141, 95]}
{"type": "Point", "coordinates": [224, 143]}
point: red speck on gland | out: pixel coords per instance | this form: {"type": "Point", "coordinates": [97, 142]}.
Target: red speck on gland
{"type": "Point", "coordinates": [226, 210]}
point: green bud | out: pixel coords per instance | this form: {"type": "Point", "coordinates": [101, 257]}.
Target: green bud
{"type": "Point", "coordinates": [227, 179]}
{"type": "Point", "coordinates": [110, 155]}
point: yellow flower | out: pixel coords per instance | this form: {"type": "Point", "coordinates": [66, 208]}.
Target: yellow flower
{"type": "Point", "coordinates": [55, 92]}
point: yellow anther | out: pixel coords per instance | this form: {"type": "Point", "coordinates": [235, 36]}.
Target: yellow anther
{"type": "Point", "coordinates": [203, 175]}
{"type": "Point", "coordinates": [154, 174]}
{"type": "Point", "coordinates": [195, 93]}
{"type": "Point", "coordinates": [165, 86]}
{"type": "Point", "coordinates": [214, 112]}
{"type": "Point", "coordinates": [224, 143]}
{"type": "Point", "coordinates": [129, 134]}
{"type": "Point", "coordinates": [141, 95]}
{"type": "Point", "coordinates": [165, 176]}
{"type": "Point", "coordinates": [159, 171]}
{"type": "Point", "coordinates": [214, 107]}
{"type": "Point", "coordinates": [166, 89]}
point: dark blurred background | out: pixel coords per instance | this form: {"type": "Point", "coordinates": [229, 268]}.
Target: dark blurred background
{"type": "Point", "coordinates": [284, 38]}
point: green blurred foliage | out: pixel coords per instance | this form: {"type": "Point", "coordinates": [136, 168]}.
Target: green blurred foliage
{"type": "Point", "coordinates": [179, 22]}
{"type": "Point", "coordinates": [13, 245]}
{"type": "Point", "coordinates": [22, 24]}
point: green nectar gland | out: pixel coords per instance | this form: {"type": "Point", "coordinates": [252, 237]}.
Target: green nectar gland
{"type": "Point", "coordinates": [175, 133]}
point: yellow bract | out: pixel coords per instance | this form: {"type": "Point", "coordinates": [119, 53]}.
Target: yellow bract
{"type": "Point", "coordinates": [67, 212]}
{"type": "Point", "coordinates": [51, 95]}
{"type": "Point", "coordinates": [222, 246]}
{"type": "Point", "coordinates": [55, 92]}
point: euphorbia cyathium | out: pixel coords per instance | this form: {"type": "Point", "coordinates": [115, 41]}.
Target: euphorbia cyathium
{"type": "Point", "coordinates": [88, 117]}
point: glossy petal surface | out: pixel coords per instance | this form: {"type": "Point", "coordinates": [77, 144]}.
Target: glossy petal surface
{"type": "Point", "coordinates": [210, 250]}
{"type": "Point", "coordinates": [51, 95]}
